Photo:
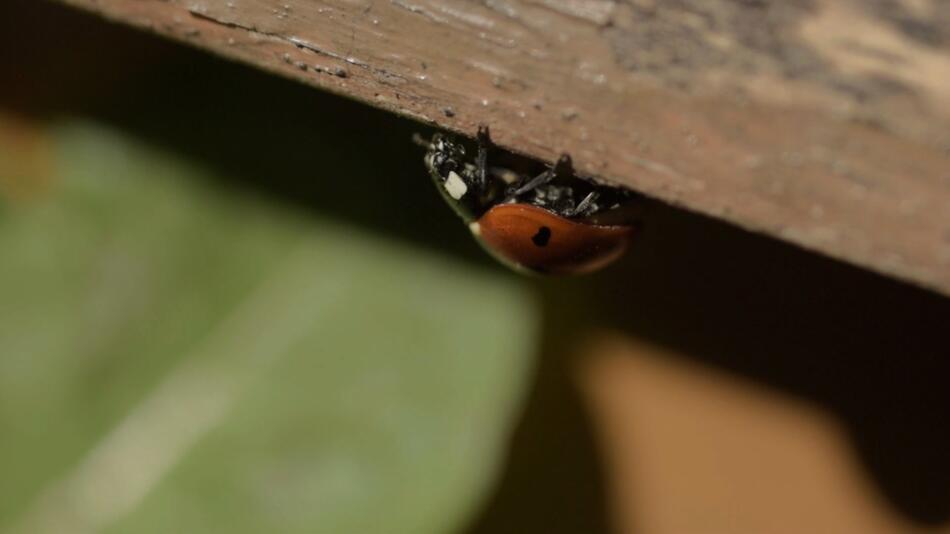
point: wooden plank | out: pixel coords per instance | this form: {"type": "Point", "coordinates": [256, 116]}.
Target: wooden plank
{"type": "Point", "coordinates": [822, 122]}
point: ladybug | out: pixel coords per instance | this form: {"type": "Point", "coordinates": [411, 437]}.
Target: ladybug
{"type": "Point", "coordinates": [552, 222]}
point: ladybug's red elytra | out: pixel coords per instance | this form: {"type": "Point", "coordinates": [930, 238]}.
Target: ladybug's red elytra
{"type": "Point", "coordinates": [553, 223]}
{"type": "Point", "coordinates": [541, 241]}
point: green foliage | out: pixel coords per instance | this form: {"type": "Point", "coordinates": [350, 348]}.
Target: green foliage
{"type": "Point", "coordinates": [177, 355]}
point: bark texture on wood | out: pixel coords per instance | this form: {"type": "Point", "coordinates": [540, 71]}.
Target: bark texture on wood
{"type": "Point", "coordinates": [822, 122]}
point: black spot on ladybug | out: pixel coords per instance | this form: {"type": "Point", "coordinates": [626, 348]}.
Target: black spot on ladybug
{"type": "Point", "coordinates": [542, 237]}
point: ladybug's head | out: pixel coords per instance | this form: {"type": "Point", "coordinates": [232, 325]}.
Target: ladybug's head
{"type": "Point", "coordinates": [454, 177]}
{"type": "Point", "coordinates": [444, 156]}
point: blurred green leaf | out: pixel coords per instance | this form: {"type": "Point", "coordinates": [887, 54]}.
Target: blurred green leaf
{"type": "Point", "coordinates": [180, 356]}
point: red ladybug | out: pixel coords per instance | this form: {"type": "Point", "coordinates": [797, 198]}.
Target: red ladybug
{"type": "Point", "coordinates": [552, 223]}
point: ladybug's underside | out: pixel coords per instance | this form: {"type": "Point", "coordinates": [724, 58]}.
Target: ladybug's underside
{"type": "Point", "coordinates": [473, 187]}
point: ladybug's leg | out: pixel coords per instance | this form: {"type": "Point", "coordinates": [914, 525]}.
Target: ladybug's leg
{"type": "Point", "coordinates": [585, 207]}
{"type": "Point", "coordinates": [481, 160]}
{"type": "Point", "coordinates": [531, 184]}
{"type": "Point", "coordinates": [483, 136]}
{"type": "Point", "coordinates": [561, 168]}
{"type": "Point", "coordinates": [564, 166]}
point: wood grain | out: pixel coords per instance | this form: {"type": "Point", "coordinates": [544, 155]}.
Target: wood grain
{"type": "Point", "coordinates": [825, 123]}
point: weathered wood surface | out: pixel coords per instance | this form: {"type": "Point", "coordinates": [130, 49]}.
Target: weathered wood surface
{"type": "Point", "coordinates": [825, 123]}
